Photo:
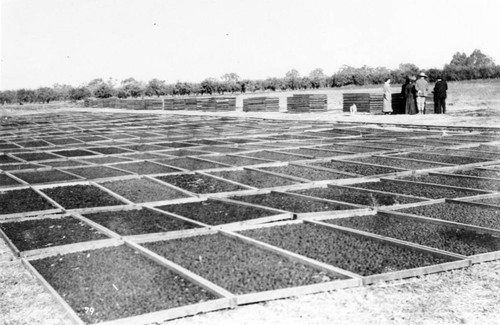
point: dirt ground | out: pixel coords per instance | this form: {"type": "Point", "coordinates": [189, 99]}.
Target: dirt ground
{"type": "Point", "coordinates": [468, 296]}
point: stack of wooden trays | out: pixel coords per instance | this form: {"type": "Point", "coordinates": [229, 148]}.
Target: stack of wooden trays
{"type": "Point", "coordinates": [306, 103]}
{"type": "Point", "coordinates": [121, 103]}
{"type": "Point", "coordinates": [106, 102]}
{"type": "Point", "coordinates": [153, 103]}
{"type": "Point", "coordinates": [261, 104]}
{"type": "Point", "coordinates": [365, 102]}
{"type": "Point", "coordinates": [231, 103]}
{"type": "Point", "coordinates": [98, 103]}
{"type": "Point", "coordinates": [168, 104]}
{"type": "Point", "coordinates": [200, 102]}
{"type": "Point", "coordinates": [213, 104]}
{"type": "Point", "coordinates": [179, 104]}
{"type": "Point", "coordinates": [191, 103]}
{"type": "Point", "coordinates": [112, 103]}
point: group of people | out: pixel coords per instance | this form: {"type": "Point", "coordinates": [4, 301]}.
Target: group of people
{"type": "Point", "coordinates": [414, 93]}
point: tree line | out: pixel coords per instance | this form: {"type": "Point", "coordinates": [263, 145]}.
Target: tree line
{"type": "Point", "coordinates": [461, 67]}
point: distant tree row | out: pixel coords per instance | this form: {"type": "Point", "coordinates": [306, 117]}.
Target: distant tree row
{"type": "Point", "coordinates": [461, 67]}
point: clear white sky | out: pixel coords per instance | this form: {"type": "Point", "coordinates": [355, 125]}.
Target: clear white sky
{"type": "Point", "coordinates": [74, 41]}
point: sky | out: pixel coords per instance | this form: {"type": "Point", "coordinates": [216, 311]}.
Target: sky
{"type": "Point", "coordinates": [44, 42]}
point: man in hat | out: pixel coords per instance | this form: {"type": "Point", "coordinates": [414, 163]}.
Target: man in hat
{"type": "Point", "coordinates": [440, 89]}
{"type": "Point", "coordinates": [421, 86]}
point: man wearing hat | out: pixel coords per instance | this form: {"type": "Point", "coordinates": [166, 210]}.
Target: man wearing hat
{"type": "Point", "coordinates": [421, 86]}
{"type": "Point", "coordinates": [440, 89]}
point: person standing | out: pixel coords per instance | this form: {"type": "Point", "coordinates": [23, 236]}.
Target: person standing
{"type": "Point", "coordinates": [387, 108]}
{"type": "Point", "coordinates": [409, 95]}
{"type": "Point", "coordinates": [440, 89]}
{"type": "Point", "coordinates": [421, 87]}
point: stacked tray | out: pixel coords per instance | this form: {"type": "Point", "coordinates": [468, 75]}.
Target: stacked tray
{"type": "Point", "coordinates": [365, 102]}
{"type": "Point", "coordinates": [306, 103]}
{"type": "Point", "coordinates": [261, 104]}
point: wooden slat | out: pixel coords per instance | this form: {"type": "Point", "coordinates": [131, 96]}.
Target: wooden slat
{"type": "Point", "coordinates": [296, 291]}
{"type": "Point", "coordinates": [476, 204]}
{"type": "Point", "coordinates": [36, 254]}
{"type": "Point", "coordinates": [170, 235]}
{"type": "Point", "coordinates": [177, 216]}
{"type": "Point", "coordinates": [234, 226]}
{"type": "Point", "coordinates": [22, 215]}
{"type": "Point", "coordinates": [174, 313]}
{"type": "Point", "coordinates": [415, 272]}
{"type": "Point", "coordinates": [485, 257]}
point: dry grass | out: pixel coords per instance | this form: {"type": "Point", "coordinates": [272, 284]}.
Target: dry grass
{"type": "Point", "coordinates": [22, 299]}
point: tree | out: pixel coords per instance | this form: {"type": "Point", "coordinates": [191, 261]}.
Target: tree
{"type": "Point", "coordinates": [45, 95]}
{"type": "Point", "coordinates": [195, 88]}
{"type": "Point", "coordinates": [8, 97]}
{"type": "Point", "coordinates": [459, 59]}
{"type": "Point", "coordinates": [25, 96]}
{"type": "Point", "coordinates": [318, 78]}
{"type": "Point", "coordinates": [305, 83]}
{"type": "Point", "coordinates": [182, 88]}
{"type": "Point", "coordinates": [272, 84]}
{"type": "Point", "coordinates": [476, 65]}
{"type": "Point", "coordinates": [379, 75]}
{"type": "Point", "coordinates": [482, 65]}
{"type": "Point", "coordinates": [433, 74]}
{"type": "Point", "coordinates": [94, 84]}
{"type": "Point", "coordinates": [292, 79]}
{"type": "Point", "coordinates": [155, 87]}
{"type": "Point", "coordinates": [344, 76]}
{"type": "Point", "coordinates": [62, 91]}
{"type": "Point", "coordinates": [408, 69]}
{"type": "Point", "coordinates": [230, 77]}
{"type": "Point", "coordinates": [104, 90]}
{"type": "Point", "coordinates": [100, 88]}
{"type": "Point", "coordinates": [132, 87]}
{"type": "Point", "coordinates": [231, 82]}
{"type": "Point", "coordinates": [478, 59]}
{"type": "Point", "coordinates": [79, 93]}
{"type": "Point", "coordinates": [209, 86]}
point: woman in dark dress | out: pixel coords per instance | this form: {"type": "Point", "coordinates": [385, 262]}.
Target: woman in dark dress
{"type": "Point", "coordinates": [409, 94]}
